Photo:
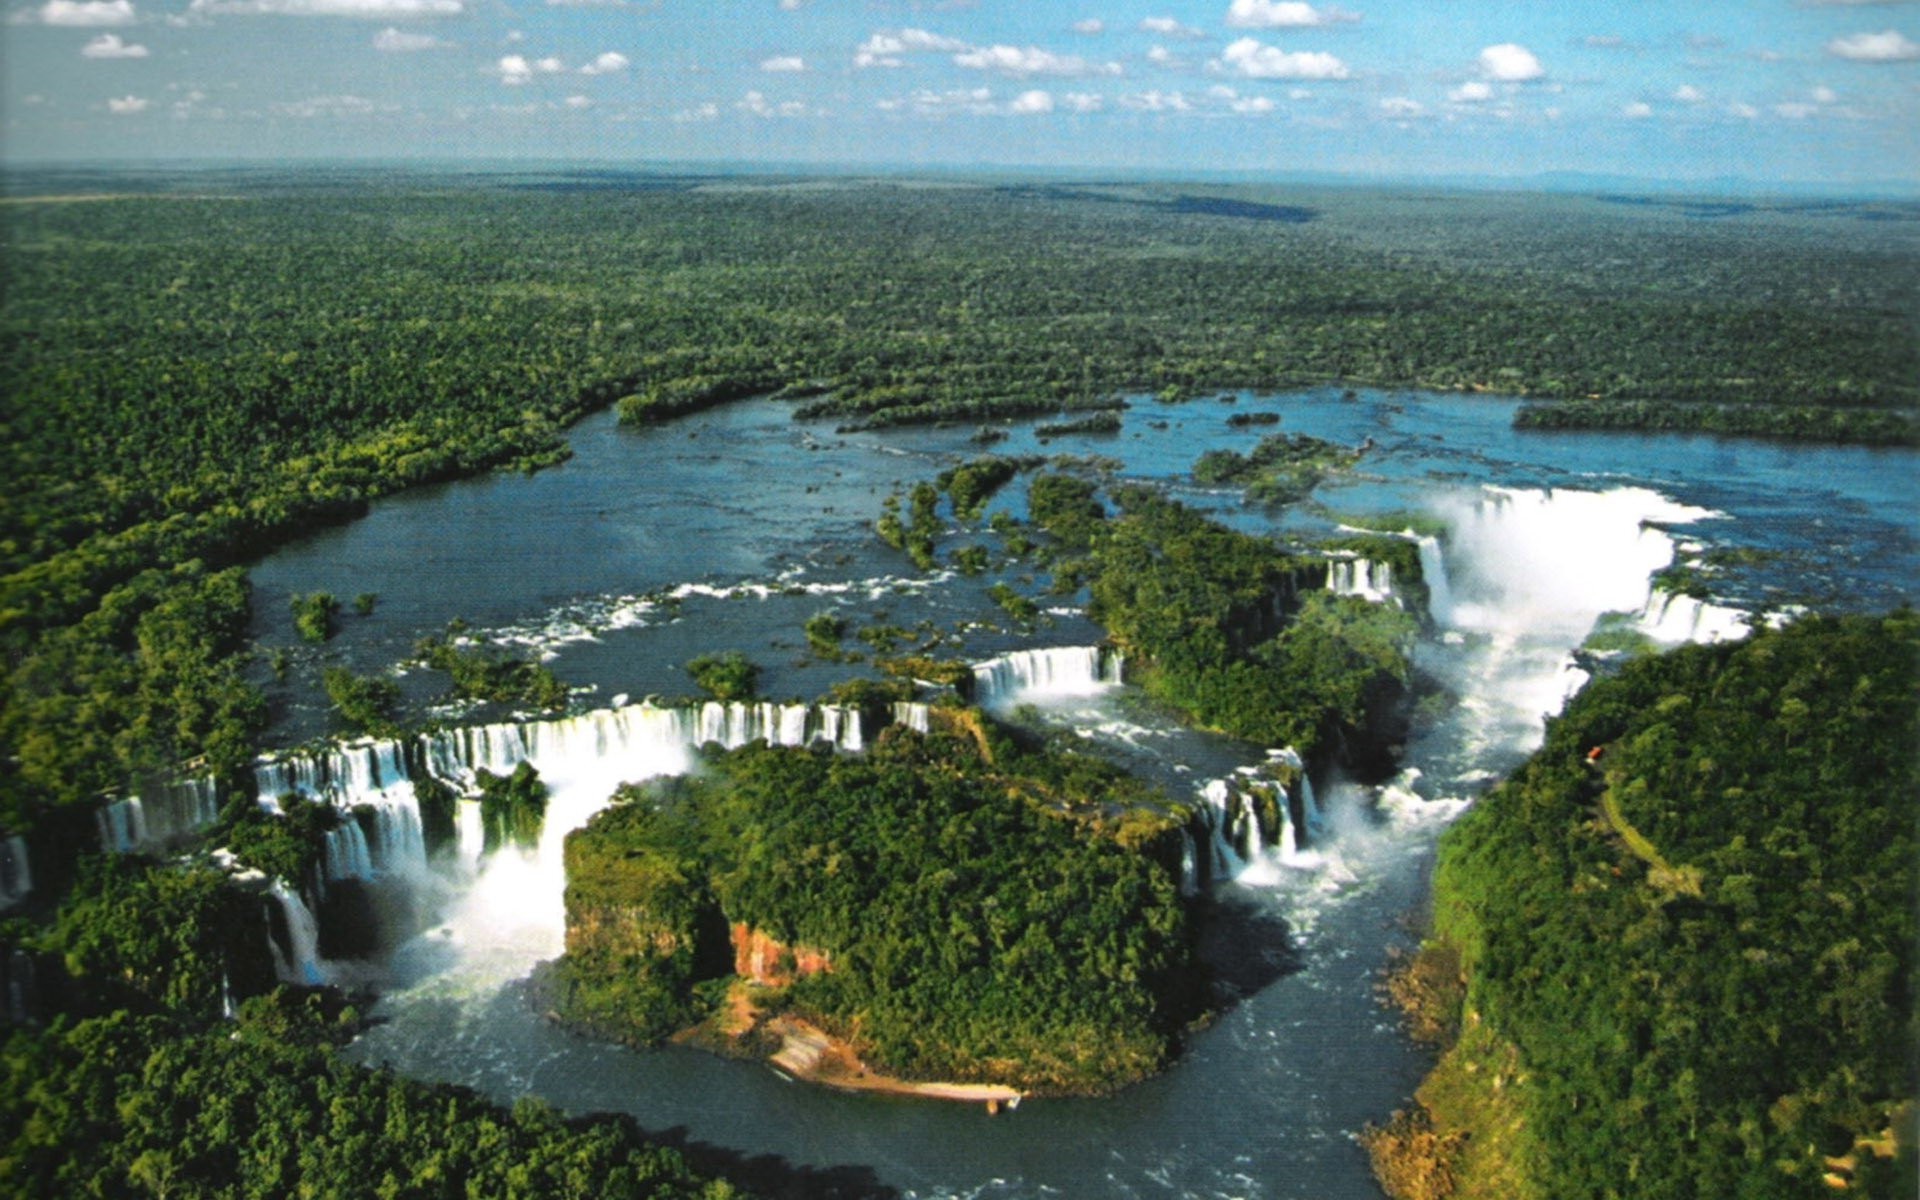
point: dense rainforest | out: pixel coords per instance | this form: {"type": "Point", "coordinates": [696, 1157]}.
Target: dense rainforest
{"type": "Point", "coordinates": [1685, 930]}
{"type": "Point", "coordinates": [974, 909]}
{"type": "Point", "coordinates": [196, 367]}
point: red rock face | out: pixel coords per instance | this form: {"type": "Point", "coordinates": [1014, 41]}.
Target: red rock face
{"type": "Point", "coordinates": [761, 958]}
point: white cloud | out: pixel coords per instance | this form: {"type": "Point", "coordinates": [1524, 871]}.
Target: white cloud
{"type": "Point", "coordinates": [700, 112]}
{"type": "Point", "coordinates": [1510, 63]}
{"type": "Point", "coordinates": [1283, 14]}
{"type": "Point", "coordinates": [380, 10]}
{"type": "Point", "coordinates": [885, 49]}
{"type": "Point", "coordinates": [109, 45]}
{"type": "Point", "coordinates": [1032, 102]}
{"type": "Point", "coordinates": [330, 106]}
{"type": "Point", "coordinates": [1032, 60]}
{"type": "Point", "coordinates": [394, 41]}
{"type": "Point", "coordinates": [1639, 110]}
{"type": "Point", "coordinates": [756, 104]}
{"type": "Point", "coordinates": [1402, 107]}
{"type": "Point", "coordinates": [126, 106]}
{"type": "Point", "coordinates": [578, 102]}
{"type": "Point", "coordinates": [1686, 93]}
{"type": "Point", "coordinates": [1471, 92]}
{"type": "Point", "coordinates": [1256, 60]}
{"type": "Point", "coordinates": [1744, 111]}
{"type": "Point", "coordinates": [1825, 95]}
{"type": "Point", "coordinates": [929, 103]}
{"type": "Point", "coordinates": [1795, 111]}
{"type": "Point", "coordinates": [1083, 102]}
{"type": "Point", "coordinates": [1160, 55]}
{"type": "Point", "coordinates": [1090, 26]}
{"type": "Point", "coordinates": [610, 62]}
{"type": "Point", "coordinates": [590, 3]}
{"type": "Point", "coordinates": [1604, 41]}
{"type": "Point", "coordinates": [514, 69]}
{"type": "Point", "coordinates": [791, 5]}
{"type": "Point", "coordinates": [1168, 27]}
{"type": "Point", "coordinates": [1888, 46]}
{"type": "Point", "coordinates": [1251, 105]}
{"type": "Point", "coordinates": [1157, 101]}
{"type": "Point", "coordinates": [783, 62]}
{"type": "Point", "coordinates": [87, 13]}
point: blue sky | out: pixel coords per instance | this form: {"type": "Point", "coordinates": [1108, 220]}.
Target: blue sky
{"type": "Point", "coordinates": [1767, 90]}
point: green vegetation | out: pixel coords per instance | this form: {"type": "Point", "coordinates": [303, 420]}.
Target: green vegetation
{"type": "Point", "coordinates": [1690, 962]}
{"type": "Point", "coordinates": [1022, 609]}
{"type": "Point", "coordinates": [973, 483]}
{"type": "Point", "coordinates": [190, 391]}
{"type": "Point", "coordinates": [313, 615]}
{"type": "Point", "coordinates": [1100, 422]}
{"type": "Point", "coordinates": [146, 938]}
{"type": "Point", "coordinates": [1067, 508]}
{"type": "Point", "coordinates": [513, 808]}
{"type": "Point", "coordinates": [1204, 615]}
{"type": "Point", "coordinates": [480, 674]}
{"type": "Point", "coordinates": [262, 1108]}
{"type": "Point", "coordinates": [915, 536]}
{"type": "Point", "coordinates": [364, 602]}
{"type": "Point", "coordinates": [824, 631]}
{"type": "Point", "coordinates": [1281, 469]}
{"type": "Point", "coordinates": [1796, 422]}
{"type": "Point", "coordinates": [729, 675]}
{"type": "Point", "coordinates": [287, 847]}
{"type": "Point", "coordinates": [364, 702]}
{"type": "Point", "coordinates": [990, 913]}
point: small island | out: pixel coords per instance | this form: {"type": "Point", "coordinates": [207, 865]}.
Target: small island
{"type": "Point", "coordinates": [953, 914]}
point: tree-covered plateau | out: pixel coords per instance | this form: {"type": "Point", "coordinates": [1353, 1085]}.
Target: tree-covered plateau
{"type": "Point", "coordinates": [1686, 932]}
{"type": "Point", "coordinates": [981, 911]}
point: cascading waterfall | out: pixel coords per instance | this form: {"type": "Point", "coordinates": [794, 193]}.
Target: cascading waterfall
{"type": "Point", "coordinates": [1526, 575]}
{"type": "Point", "coordinates": [300, 961]}
{"type": "Point", "coordinates": [16, 872]}
{"type": "Point", "coordinates": [1671, 617]}
{"type": "Point", "coordinates": [1245, 843]}
{"type": "Point", "coordinates": [346, 853]}
{"type": "Point", "coordinates": [1433, 569]}
{"type": "Point", "coordinates": [158, 816]}
{"type": "Point", "coordinates": [913, 715]}
{"type": "Point", "coordinates": [1366, 578]}
{"type": "Point", "coordinates": [1049, 673]}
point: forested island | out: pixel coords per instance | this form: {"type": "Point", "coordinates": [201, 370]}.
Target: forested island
{"type": "Point", "coordinates": [948, 907]}
{"type": "Point", "coordinates": [203, 366]}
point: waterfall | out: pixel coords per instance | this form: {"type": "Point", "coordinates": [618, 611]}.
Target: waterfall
{"type": "Point", "coordinates": [1670, 618]}
{"type": "Point", "coordinates": [16, 872]}
{"type": "Point", "coordinates": [1366, 578]}
{"type": "Point", "coordinates": [123, 825]}
{"type": "Point", "coordinates": [470, 832]}
{"type": "Point", "coordinates": [300, 961]}
{"type": "Point", "coordinates": [346, 852]}
{"type": "Point", "coordinates": [1433, 568]}
{"type": "Point", "coordinates": [913, 715]}
{"type": "Point", "coordinates": [1189, 865]}
{"type": "Point", "coordinates": [1050, 673]}
{"type": "Point", "coordinates": [22, 989]}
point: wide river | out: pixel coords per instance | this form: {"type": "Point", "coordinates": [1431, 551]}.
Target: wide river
{"type": "Point", "coordinates": [728, 529]}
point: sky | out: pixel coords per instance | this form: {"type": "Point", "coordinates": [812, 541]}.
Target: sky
{"type": "Point", "coordinates": [1799, 91]}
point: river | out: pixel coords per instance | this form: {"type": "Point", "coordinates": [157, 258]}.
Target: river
{"type": "Point", "coordinates": [726, 530]}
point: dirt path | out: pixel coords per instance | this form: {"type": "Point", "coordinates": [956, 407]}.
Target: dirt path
{"type": "Point", "coordinates": [809, 1054]}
